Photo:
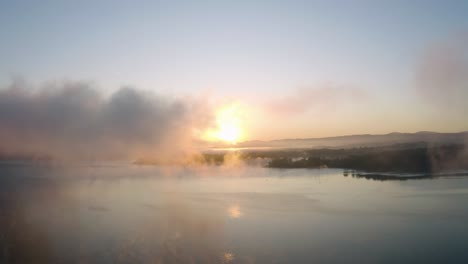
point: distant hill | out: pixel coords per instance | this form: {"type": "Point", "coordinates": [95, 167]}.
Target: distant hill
{"type": "Point", "coordinates": [365, 140]}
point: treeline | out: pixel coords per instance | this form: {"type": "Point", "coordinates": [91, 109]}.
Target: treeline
{"type": "Point", "coordinates": [379, 159]}
{"type": "Point", "coordinates": [405, 158]}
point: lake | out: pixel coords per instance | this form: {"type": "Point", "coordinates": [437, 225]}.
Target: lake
{"type": "Point", "coordinates": [142, 214]}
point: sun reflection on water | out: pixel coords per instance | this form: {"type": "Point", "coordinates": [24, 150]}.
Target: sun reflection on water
{"type": "Point", "coordinates": [228, 257]}
{"type": "Point", "coordinates": [234, 211]}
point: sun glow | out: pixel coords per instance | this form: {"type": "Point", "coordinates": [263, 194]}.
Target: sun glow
{"type": "Point", "coordinates": [228, 125]}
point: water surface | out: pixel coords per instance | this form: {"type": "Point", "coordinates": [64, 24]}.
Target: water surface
{"type": "Point", "coordinates": [144, 214]}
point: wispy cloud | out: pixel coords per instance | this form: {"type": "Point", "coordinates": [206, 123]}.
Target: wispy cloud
{"type": "Point", "coordinates": [442, 72]}
{"type": "Point", "coordinates": [305, 99]}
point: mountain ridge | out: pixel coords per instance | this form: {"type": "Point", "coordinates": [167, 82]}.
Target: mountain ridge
{"type": "Point", "coordinates": [363, 140]}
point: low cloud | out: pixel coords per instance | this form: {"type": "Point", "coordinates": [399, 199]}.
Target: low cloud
{"type": "Point", "coordinates": [73, 120]}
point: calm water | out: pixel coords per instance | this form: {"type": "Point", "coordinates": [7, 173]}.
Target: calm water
{"type": "Point", "coordinates": [130, 214]}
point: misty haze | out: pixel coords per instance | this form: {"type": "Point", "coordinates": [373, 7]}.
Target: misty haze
{"type": "Point", "coordinates": [233, 132]}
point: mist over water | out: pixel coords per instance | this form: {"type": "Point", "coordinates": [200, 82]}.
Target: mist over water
{"type": "Point", "coordinates": [148, 214]}
{"type": "Point", "coordinates": [75, 121]}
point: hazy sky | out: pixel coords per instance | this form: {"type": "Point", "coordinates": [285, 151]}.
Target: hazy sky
{"type": "Point", "coordinates": [298, 68]}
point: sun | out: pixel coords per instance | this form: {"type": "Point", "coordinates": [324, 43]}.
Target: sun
{"type": "Point", "coordinates": [228, 125]}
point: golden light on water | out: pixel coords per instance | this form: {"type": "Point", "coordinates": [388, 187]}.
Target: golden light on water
{"type": "Point", "coordinates": [228, 257]}
{"type": "Point", "coordinates": [228, 125]}
{"type": "Point", "coordinates": [234, 211]}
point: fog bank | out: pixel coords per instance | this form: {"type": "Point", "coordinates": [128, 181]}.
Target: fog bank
{"type": "Point", "coordinates": [73, 120]}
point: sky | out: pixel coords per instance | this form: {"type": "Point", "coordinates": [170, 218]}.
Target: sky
{"type": "Point", "coordinates": [296, 69]}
